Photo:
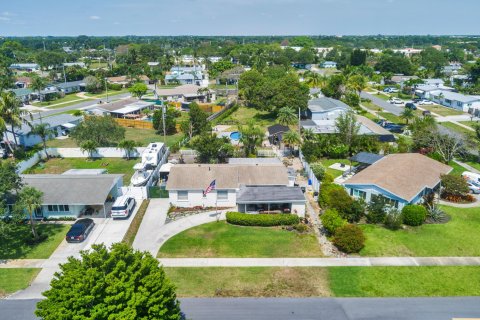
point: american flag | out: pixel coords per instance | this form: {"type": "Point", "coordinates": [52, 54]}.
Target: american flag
{"type": "Point", "coordinates": [209, 188]}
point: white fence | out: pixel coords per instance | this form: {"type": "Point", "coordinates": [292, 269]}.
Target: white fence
{"type": "Point", "coordinates": [75, 153]}
{"type": "Point", "coordinates": [311, 177]}
{"type": "Point", "coordinates": [136, 192]}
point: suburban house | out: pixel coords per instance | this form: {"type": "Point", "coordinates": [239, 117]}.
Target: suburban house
{"type": "Point", "coordinates": [71, 87]}
{"type": "Point", "coordinates": [434, 82]}
{"type": "Point", "coordinates": [23, 82]}
{"type": "Point", "coordinates": [60, 124]}
{"type": "Point", "coordinates": [402, 179]}
{"type": "Point", "coordinates": [448, 98]}
{"type": "Point", "coordinates": [23, 94]}
{"type": "Point", "coordinates": [187, 75]}
{"type": "Point", "coordinates": [69, 195]}
{"type": "Point", "coordinates": [275, 133]}
{"type": "Point", "coordinates": [186, 93]}
{"type": "Point", "coordinates": [28, 67]}
{"type": "Point", "coordinates": [125, 108]}
{"type": "Point", "coordinates": [401, 79]}
{"type": "Point", "coordinates": [74, 64]}
{"type": "Point", "coordinates": [125, 81]}
{"type": "Point", "coordinates": [424, 91]}
{"type": "Point", "coordinates": [452, 68]}
{"type": "Point", "coordinates": [328, 64]}
{"type": "Point", "coordinates": [323, 112]}
{"type": "Point", "coordinates": [252, 188]}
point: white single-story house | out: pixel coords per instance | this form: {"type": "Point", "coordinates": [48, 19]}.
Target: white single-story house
{"type": "Point", "coordinates": [58, 123]}
{"type": "Point", "coordinates": [328, 64]}
{"type": "Point", "coordinates": [186, 93]}
{"type": "Point", "coordinates": [325, 108]}
{"type": "Point", "coordinates": [251, 188]}
{"type": "Point", "coordinates": [71, 86]}
{"type": "Point", "coordinates": [74, 64]}
{"type": "Point", "coordinates": [402, 179]}
{"type": "Point", "coordinates": [68, 195]}
{"type": "Point", "coordinates": [30, 67]}
{"type": "Point", "coordinates": [124, 108]}
{"type": "Point", "coordinates": [455, 100]}
{"type": "Point", "coordinates": [187, 75]}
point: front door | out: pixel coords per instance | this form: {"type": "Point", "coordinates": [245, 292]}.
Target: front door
{"type": "Point", "coordinates": [39, 213]}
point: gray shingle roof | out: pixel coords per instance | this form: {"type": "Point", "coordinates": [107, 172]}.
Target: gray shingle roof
{"type": "Point", "coordinates": [73, 189]}
{"type": "Point", "coordinates": [326, 104]}
{"type": "Point", "coordinates": [366, 157]}
{"type": "Point", "coordinates": [254, 161]}
{"type": "Point", "coordinates": [53, 121]}
{"type": "Point", "coordinates": [269, 194]}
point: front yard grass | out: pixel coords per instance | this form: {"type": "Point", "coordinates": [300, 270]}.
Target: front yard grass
{"type": "Point", "coordinates": [250, 282]}
{"type": "Point", "coordinates": [334, 172]}
{"type": "Point", "coordinates": [458, 237]}
{"type": "Point", "coordinates": [14, 279]}
{"type": "Point", "coordinates": [219, 239]}
{"type": "Point", "coordinates": [391, 117]}
{"type": "Point", "coordinates": [405, 281]}
{"type": "Point", "coordinates": [67, 98]}
{"type": "Point", "coordinates": [60, 165]}
{"type": "Point", "coordinates": [129, 237]}
{"type": "Point", "coordinates": [14, 246]}
{"type": "Point", "coordinates": [441, 110]}
{"type": "Point", "coordinates": [457, 128]}
{"type": "Point", "coordinates": [243, 115]}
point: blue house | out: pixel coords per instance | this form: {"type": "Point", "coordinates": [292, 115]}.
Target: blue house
{"type": "Point", "coordinates": [401, 179]}
{"type": "Point", "coordinates": [328, 64]}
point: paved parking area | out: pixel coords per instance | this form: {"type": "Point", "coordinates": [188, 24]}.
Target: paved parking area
{"type": "Point", "coordinates": [106, 231]}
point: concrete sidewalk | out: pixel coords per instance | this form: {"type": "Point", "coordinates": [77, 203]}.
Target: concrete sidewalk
{"type": "Point", "coordinates": [152, 223]}
{"type": "Point", "coordinates": [321, 262]}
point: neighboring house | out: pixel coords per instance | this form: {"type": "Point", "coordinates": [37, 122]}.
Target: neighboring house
{"type": "Point", "coordinates": [452, 68]}
{"type": "Point", "coordinates": [400, 79]}
{"type": "Point", "coordinates": [433, 82]}
{"type": "Point", "coordinates": [68, 195]}
{"type": "Point", "coordinates": [71, 87]}
{"type": "Point", "coordinates": [74, 64]}
{"type": "Point", "coordinates": [455, 100]}
{"type": "Point", "coordinates": [25, 95]}
{"type": "Point", "coordinates": [121, 80]}
{"type": "Point", "coordinates": [125, 108]}
{"type": "Point", "coordinates": [254, 161]}
{"type": "Point", "coordinates": [323, 112]}
{"type": "Point", "coordinates": [424, 91]}
{"type": "Point", "coordinates": [29, 67]}
{"type": "Point", "coordinates": [23, 82]}
{"type": "Point", "coordinates": [251, 188]}
{"type": "Point", "coordinates": [402, 179]}
{"type": "Point", "coordinates": [187, 75]}
{"type": "Point", "coordinates": [186, 93]}
{"type": "Point", "coordinates": [275, 133]}
{"type": "Point", "coordinates": [408, 51]}
{"type": "Point", "coordinates": [58, 123]}
{"type": "Point", "coordinates": [328, 64]}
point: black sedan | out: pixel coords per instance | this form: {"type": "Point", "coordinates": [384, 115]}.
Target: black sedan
{"type": "Point", "coordinates": [80, 230]}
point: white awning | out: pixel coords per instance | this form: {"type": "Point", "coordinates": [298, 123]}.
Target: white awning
{"type": "Point", "coordinates": [69, 125]}
{"type": "Point", "coordinates": [166, 167]}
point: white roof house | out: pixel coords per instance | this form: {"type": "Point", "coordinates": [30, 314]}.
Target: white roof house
{"type": "Point", "coordinates": [455, 100]}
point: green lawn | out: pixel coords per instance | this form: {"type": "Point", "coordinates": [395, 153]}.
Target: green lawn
{"type": "Point", "coordinates": [243, 115]}
{"type": "Point", "coordinates": [103, 94]}
{"type": "Point", "coordinates": [474, 164]}
{"type": "Point", "coordinates": [382, 96]}
{"type": "Point", "coordinates": [142, 136]}
{"type": "Point", "coordinates": [249, 282]}
{"type": "Point", "coordinates": [457, 169]}
{"type": "Point", "coordinates": [404, 281]}
{"type": "Point", "coordinates": [12, 280]}
{"type": "Point", "coordinates": [370, 105]}
{"type": "Point", "coordinates": [471, 124]}
{"type": "Point", "coordinates": [60, 165]}
{"type": "Point", "coordinates": [457, 128]}
{"type": "Point", "coordinates": [391, 117]}
{"type": "Point", "coordinates": [14, 246]}
{"type": "Point", "coordinates": [219, 239]}
{"type": "Point", "coordinates": [458, 237]}
{"type": "Point", "coordinates": [67, 100]}
{"type": "Point", "coordinates": [441, 110]}
{"type": "Point", "coordinates": [328, 162]}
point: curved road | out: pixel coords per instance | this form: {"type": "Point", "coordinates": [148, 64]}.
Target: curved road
{"type": "Point", "coordinates": [300, 308]}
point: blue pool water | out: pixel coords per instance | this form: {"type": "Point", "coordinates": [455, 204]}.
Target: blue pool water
{"type": "Point", "coordinates": [235, 135]}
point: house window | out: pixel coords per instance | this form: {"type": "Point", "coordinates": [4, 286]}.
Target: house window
{"type": "Point", "coordinates": [359, 194]}
{"type": "Point", "coordinates": [182, 195]}
{"type": "Point", "coordinates": [222, 195]}
{"type": "Point", "coordinates": [459, 104]}
{"type": "Point", "coordinates": [58, 208]}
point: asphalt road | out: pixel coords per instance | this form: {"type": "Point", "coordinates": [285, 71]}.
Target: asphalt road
{"type": "Point", "coordinates": [382, 103]}
{"type": "Point", "coordinates": [79, 105]}
{"type": "Point", "coordinates": [300, 308]}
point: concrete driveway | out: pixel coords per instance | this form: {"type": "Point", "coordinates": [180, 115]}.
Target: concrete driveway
{"type": "Point", "coordinates": [106, 231]}
{"type": "Point", "coordinates": [153, 221]}
{"type": "Point", "coordinates": [396, 110]}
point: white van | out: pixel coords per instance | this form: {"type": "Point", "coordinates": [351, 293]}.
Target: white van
{"type": "Point", "coordinates": [470, 176]}
{"type": "Point", "coordinates": [123, 207]}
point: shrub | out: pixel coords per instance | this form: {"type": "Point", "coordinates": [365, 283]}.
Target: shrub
{"type": "Point", "coordinates": [349, 238]}
{"type": "Point", "coordinates": [324, 195]}
{"type": "Point", "coordinates": [453, 185]}
{"type": "Point", "coordinates": [435, 214]}
{"type": "Point", "coordinates": [376, 209]}
{"type": "Point", "coordinates": [318, 170]}
{"type": "Point", "coordinates": [327, 178]}
{"type": "Point", "coordinates": [331, 220]}
{"type": "Point", "coordinates": [414, 215]}
{"type": "Point", "coordinates": [355, 212]}
{"type": "Point", "coordinates": [262, 220]}
{"type": "Point", "coordinates": [301, 227]}
{"type": "Point", "coordinates": [340, 200]}
{"type": "Point", "coordinates": [31, 241]}
{"type": "Point", "coordinates": [393, 219]}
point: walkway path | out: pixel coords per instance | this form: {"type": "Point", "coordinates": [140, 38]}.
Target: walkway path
{"type": "Point", "coordinates": [152, 223]}
{"type": "Point", "coordinates": [320, 262]}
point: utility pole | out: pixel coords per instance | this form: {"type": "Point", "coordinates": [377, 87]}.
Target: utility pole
{"type": "Point", "coordinates": [163, 122]}
{"type": "Point", "coordinates": [106, 88]}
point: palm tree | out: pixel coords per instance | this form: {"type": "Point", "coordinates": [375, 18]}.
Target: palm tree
{"type": "Point", "coordinates": [315, 80]}
{"type": "Point", "coordinates": [38, 84]}
{"type": "Point", "coordinates": [286, 116]}
{"type": "Point", "coordinates": [128, 146]}
{"type": "Point", "coordinates": [357, 83]}
{"type": "Point", "coordinates": [204, 91]}
{"type": "Point", "coordinates": [90, 147]}
{"type": "Point", "coordinates": [292, 139]}
{"type": "Point", "coordinates": [29, 200]}
{"type": "Point", "coordinates": [251, 137]}
{"type": "Point", "coordinates": [308, 135]}
{"type": "Point", "coordinates": [45, 132]}
{"type": "Point", "coordinates": [407, 114]}
{"type": "Point", "coordinates": [11, 112]}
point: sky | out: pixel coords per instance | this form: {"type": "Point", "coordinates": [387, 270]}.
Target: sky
{"type": "Point", "coordinates": [238, 17]}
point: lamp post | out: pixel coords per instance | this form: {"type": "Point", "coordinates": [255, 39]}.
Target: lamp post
{"type": "Point", "coordinates": [106, 88]}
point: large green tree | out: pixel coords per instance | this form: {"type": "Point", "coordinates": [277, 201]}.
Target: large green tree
{"type": "Point", "coordinates": [395, 64]}
{"type": "Point", "coordinates": [104, 131]}
{"type": "Point", "coordinates": [170, 121]}
{"type": "Point", "coordinates": [45, 132]}
{"type": "Point", "coordinates": [347, 128]}
{"type": "Point", "coordinates": [212, 149]}
{"type": "Point", "coordinates": [119, 283]}
{"type": "Point", "coordinates": [251, 137]}
{"type": "Point", "coordinates": [138, 90]}
{"type": "Point", "coordinates": [11, 113]}
{"type": "Point", "coordinates": [29, 199]}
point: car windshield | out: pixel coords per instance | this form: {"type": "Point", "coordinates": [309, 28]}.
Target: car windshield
{"type": "Point", "coordinates": [119, 208]}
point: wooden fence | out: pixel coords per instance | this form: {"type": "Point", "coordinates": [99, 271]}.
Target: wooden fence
{"type": "Point", "coordinates": [130, 123]}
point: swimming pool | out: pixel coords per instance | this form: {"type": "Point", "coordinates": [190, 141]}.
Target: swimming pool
{"type": "Point", "coordinates": [235, 135]}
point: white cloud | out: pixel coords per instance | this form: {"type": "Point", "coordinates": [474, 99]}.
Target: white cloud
{"type": "Point", "coordinates": [94, 18]}
{"type": "Point", "coordinates": [3, 18]}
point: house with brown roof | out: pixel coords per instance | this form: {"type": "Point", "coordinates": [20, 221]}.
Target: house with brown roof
{"type": "Point", "coordinates": [402, 179]}
{"type": "Point", "coordinates": [252, 188]}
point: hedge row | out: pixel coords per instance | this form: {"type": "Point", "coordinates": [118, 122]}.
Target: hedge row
{"type": "Point", "coordinates": [261, 219]}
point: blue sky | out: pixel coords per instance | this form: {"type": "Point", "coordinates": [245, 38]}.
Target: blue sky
{"type": "Point", "coordinates": [238, 17]}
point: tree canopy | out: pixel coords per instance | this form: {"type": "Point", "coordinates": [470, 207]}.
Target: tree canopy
{"type": "Point", "coordinates": [103, 131]}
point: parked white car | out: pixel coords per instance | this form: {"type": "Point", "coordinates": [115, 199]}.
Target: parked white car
{"type": "Point", "coordinates": [474, 188]}
{"type": "Point", "coordinates": [425, 102]}
{"type": "Point", "coordinates": [123, 207]}
{"type": "Point", "coordinates": [396, 101]}
{"type": "Point", "coordinates": [471, 177]}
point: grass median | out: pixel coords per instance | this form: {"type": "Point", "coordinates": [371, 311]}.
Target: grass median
{"type": "Point", "coordinates": [12, 280]}
{"type": "Point", "coordinates": [135, 224]}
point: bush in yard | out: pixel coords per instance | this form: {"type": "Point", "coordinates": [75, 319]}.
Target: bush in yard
{"type": "Point", "coordinates": [414, 215]}
{"type": "Point", "coordinates": [327, 178]}
{"type": "Point", "coordinates": [454, 188]}
{"type": "Point", "coordinates": [355, 212]}
{"type": "Point", "coordinates": [340, 200]}
{"type": "Point", "coordinates": [377, 209]}
{"type": "Point", "coordinates": [332, 220]}
{"type": "Point", "coordinates": [318, 170]}
{"type": "Point", "coordinates": [349, 238]}
{"type": "Point", "coordinates": [324, 195]}
{"type": "Point", "coordinates": [393, 219]}
{"type": "Point", "coordinates": [262, 220]}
